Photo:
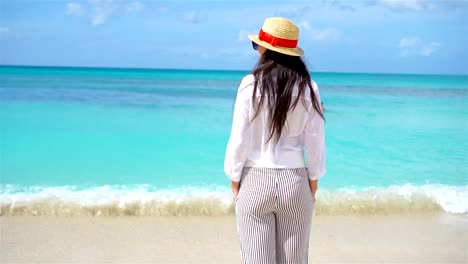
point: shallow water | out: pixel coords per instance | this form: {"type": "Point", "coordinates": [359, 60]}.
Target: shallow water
{"type": "Point", "coordinates": [74, 137]}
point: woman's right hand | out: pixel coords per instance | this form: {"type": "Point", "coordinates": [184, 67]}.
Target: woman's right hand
{"type": "Point", "coordinates": [235, 186]}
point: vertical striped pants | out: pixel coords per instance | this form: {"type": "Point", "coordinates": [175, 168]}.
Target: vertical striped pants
{"type": "Point", "coordinates": [274, 213]}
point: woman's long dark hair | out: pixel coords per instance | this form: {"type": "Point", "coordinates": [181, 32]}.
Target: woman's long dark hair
{"type": "Point", "coordinates": [276, 74]}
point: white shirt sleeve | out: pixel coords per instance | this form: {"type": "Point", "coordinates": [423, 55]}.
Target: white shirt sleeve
{"type": "Point", "coordinates": [314, 141]}
{"type": "Point", "coordinates": [239, 140]}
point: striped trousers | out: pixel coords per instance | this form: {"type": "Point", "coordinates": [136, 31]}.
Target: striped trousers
{"type": "Point", "coordinates": [274, 213]}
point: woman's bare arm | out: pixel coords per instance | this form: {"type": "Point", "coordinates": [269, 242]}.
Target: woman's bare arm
{"type": "Point", "coordinates": [313, 187]}
{"type": "Point", "coordinates": [235, 186]}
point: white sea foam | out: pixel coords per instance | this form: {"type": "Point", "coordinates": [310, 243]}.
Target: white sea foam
{"type": "Point", "coordinates": [145, 200]}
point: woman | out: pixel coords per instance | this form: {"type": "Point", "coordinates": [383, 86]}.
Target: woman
{"type": "Point", "coordinates": [277, 113]}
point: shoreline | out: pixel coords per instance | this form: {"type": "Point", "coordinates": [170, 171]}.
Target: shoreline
{"type": "Point", "coordinates": [419, 238]}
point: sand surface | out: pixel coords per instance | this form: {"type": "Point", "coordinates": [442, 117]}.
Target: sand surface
{"type": "Point", "coordinates": [434, 238]}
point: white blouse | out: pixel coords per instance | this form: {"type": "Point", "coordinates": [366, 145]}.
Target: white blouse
{"type": "Point", "coordinates": [247, 143]}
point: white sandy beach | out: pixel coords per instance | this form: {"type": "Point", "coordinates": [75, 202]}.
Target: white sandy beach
{"type": "Point", "coordinates": [430, 238]}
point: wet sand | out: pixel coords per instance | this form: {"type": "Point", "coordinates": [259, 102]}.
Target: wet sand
{"type": "Point", "coordinates": [431, 238]}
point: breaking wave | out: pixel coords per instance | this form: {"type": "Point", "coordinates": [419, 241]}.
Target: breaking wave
{"type": "Point", "coordinates": [145, 200]}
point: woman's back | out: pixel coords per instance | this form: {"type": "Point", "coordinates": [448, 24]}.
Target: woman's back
{"type": "Point", "coordinates": [288, 152]}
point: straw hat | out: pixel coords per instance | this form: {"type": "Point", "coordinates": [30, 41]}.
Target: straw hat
{"type": "Point", "coordinates": [279, 34]}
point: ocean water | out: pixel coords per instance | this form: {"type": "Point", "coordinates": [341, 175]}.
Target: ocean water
{"type": "Point", "coordinates": [105, 141]}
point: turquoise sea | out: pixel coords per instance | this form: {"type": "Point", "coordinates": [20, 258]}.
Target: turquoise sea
{"type": "Point", "coordinates": [110, 141]}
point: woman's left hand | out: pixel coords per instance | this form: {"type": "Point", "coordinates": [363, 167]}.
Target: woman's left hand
{"type": "Point", "coordinates": [235, 186]}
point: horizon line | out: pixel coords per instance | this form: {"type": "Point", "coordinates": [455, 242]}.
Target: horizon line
{"type": "Point", "coordinates": [205, 69]}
